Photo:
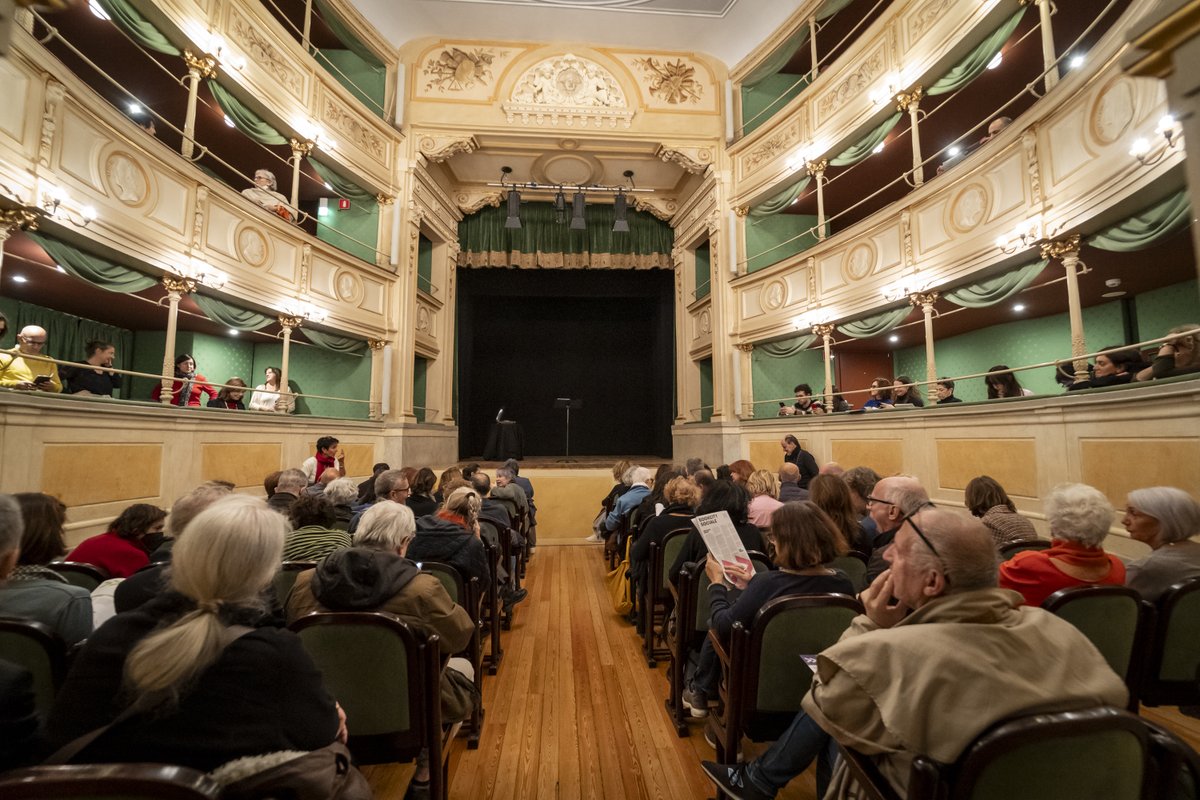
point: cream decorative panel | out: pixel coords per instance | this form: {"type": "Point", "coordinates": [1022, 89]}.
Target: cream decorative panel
{"type": "Point", "coordinates": [13, 115]}
{"type": "Point", "coordinates": [79, 145]}
{"type": "Point", "coordinates": [852, 85]}
{"type": "Point", "coordinates": [972, 206]}
{"type": "Point", "coordinates": [869, 255]}
{"type": "Point", "coordinates": [924, 18]}
{"type": "Point", "coordinates": [173, 206]}
{"type": "Point", "coordinates": [426, 323]}
{"type": "Point", "coordinates": [701, 325]}
{"type": "Point", "coordinates": [336, 281]}
{"type": "Point", "coordinates": [673, 82]}
{"type": "Point", "coordinates": [460, 72]}
{"type": "Point", "coordinates": [770, 150]}
{"type": "Point", "coordinates": [266, 51]}
{"type": "Point", "coordinates": [354, 133]}
{"type": "Point", "coordinates": [787, 291]}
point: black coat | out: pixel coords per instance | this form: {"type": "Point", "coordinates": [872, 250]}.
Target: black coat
{"type": "Point", "coordinates": [443, 540]}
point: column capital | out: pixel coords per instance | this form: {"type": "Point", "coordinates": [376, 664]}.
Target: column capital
{"type": "Point", "coordinates": [1066, 249]}
{"type": "Point", "coordinates": [745, 347]}
{"type": "Point", "coordinates": [177, 286]}
{"type": "Point", "coordinates": [15, 219]}
{"type": "Point", "coordinates": [203, 66]}
{"type": "Point", "coordinates": [376, 344]}
{"type": "Point", "coordinates": [824, 331]}
{"type": "Point", "coordinates": [906, 101]}
{"type": "Point", "coordinates": [817, 168]}
{"type": "Point", "coordinates": [289, 323]}
{"type": "Point", "coordinates": [923, 299]}
{"type": "Point", "coordinates": [384, 199]}
{"type": "Point", "coordinates": [741, 211]}
{"type": "Point", "coordinates": [301, 149]}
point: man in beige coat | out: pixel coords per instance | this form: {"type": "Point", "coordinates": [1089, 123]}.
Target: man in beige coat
{"type": "Point", "coordinates": [940, 655]}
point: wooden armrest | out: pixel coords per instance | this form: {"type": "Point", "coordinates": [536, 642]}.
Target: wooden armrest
{"type": "Point", "coordinates": [867, 775]}
{"type": "Point", "coordinates": [722, 653]}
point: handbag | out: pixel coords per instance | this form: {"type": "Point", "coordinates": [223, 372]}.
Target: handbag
{"type": "Point", "coordinates": [324, 774]}
{"type": "Point", "coordinates": [618, 584]}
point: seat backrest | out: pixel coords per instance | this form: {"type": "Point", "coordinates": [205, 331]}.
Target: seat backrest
{"type": "Point", "coordinates": [1007, 551]}
{"type": "Point", "coordinates": [285, 579]}
{"type": "Point", "coordinates": [854, 567]}
{"type": "Point", "coordinates": [669, 547]}
{"type": "Point", "coordinates": [108, 782]}
{"type": "Point", "coordinates": [39, 649]}
{"type": "Point", "coordinates": [77, 573]}
{"type": "Point", "coordinates": [1179, 633]}
{"type": "Point", "coordinates": [1100, 752]}
{"type": "Point", "coordinates": [783, 630]}
{"type": "Point", "coordinates": [1111, 617]}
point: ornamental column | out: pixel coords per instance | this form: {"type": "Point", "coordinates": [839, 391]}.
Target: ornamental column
{"type": "Point", "coordinates": [288, 324]}
{"type": "Point", "coordinates": [911, 102]}
{"type": "Point", "coordinates": [1067, 251]}
{"type": "Point", "coordinates": [176, 289]}
{"type": "Point", "coordinates": [377, 370]}
{"type": "Point", "coordinates": [745, 367]}
{"type": "Point", "coordinates": [299, 151]}
{"type": "Point", "coordinates": [1045, 9]}
{"type": "Point", "coordinates": [926, 300]}
{"type": "Point", "coordinates": [198, 67]}
{"type": "Point", "coordinates": [817, 170]}
{"type": "Point", "coordinates": [812, 45]}
{"type": "Point", "coordinates": [826, 334]}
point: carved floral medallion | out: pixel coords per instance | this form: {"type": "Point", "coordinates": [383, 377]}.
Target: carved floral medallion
{"type": "Point", "coordinates": [673, 82]}
{"type": "Point", "coordinates": [969, 208]}
{"type": "Point", "coordinates": [859, 262]}
{"type": "Point", "coordinates": [252, 246]}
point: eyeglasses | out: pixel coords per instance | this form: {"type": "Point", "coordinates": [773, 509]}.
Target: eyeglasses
{"type": "Point", "coordinates": [881, 502]}
{"type": "Point", "coordinates": [401, 489]}
{"type": "Point", "coordinates": [920, 533]}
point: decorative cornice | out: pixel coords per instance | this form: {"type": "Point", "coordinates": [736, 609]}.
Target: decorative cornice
{"type": "Point", "coordinates": [438, 147]}
{"type": "Point", "coordinates": [693, 159]}
{"type": "Point", "coordinates": [203, 66]}
{"type": "Point", "coordinates": [662, 207]}
{"type": "Point", "coordinates": [384, 199]}
{"type": "Point", "coordinates": [1062, 249]}
{"type": "Point", "coordinates": [470, 202]}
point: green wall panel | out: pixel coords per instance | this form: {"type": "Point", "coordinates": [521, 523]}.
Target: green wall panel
{"type": "Point", "coordinates": [766, 237]}
{"type": "Point", "coordinates": [706, 389]}
{"type": "Point", "coordinates": [1162, 309]}
{"type": "Point", "coordinates": [314, 370]}
{"type": "Point", "coordinates": [420, 372]}
{"type": "Point", "coordinates": [765, 100]}
{"type": "Point", "coordinates": [774, 378]}
{"type": "Point", "coordinates": [424, 264]}
{"type": "Point", "coordinates": [703, 270]}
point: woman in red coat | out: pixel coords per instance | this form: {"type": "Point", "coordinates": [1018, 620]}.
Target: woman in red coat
{"type": "Point", "coordinates": [188, 385]}
{"type": "Point", "coordinates": [125, 547]}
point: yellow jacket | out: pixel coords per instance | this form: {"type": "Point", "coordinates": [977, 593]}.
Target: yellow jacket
{"type": "Point", "coordinates": [14, 369]}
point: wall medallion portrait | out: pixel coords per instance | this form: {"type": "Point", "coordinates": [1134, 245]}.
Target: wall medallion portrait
{"type": "Point", "coordinates": [859, 262]}
{"type": "Point", "coordinates": [424, 319]}
{"type": "Point", "coordinates": [774, 295]}
{"type": "Point", "coordinates": [969, 208]}
{"type": "Point", "coordinates": [1113, 111]}
{"type": "Point", "coordinates": [126, 179]}
{"type": "Point", "coordinates": [252, 246]}
{"type": "Point", "coordinates": [704, 322]}
{"type": "Point", "coordinates": [347, 287]}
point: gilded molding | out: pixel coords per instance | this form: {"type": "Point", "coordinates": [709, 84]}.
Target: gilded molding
{"type": "Point", "coordinates": [1066, 250]}
{"type": "Point", "coordinates": [770, 149]}
{"type": "Point", "coordinates": [852, 85]}
{"type": "Point", "coordinates": [14, 219]}
{"type": "Point", "coordinates": [442, 147]}
{"type": "Point", "coordinates": [924, 19]}
{"type": "Point", "coordinates": [745, 347]}
{"type": "Point", "coordinates": [693, 159]}
{"type": "Point", "coordinates": [289, 323]}
{"type": "Point", "coordinates": [177, 287]}
{"type": "Point", "coordinates": [376, 344]}
{"type": "Point", "coordinates": [55, 92]}
{"type": "Point", "coordinates": [201, 66]}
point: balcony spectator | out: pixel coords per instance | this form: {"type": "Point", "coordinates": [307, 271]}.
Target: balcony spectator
{"type": "Point", "coordinates": [188, 385]}
{"type": "Point", "coordinates": [945, 391]}
{"type": "Point", "coordinates": [267, 395]}
{"type": "Point", "coordinates": [880, 394]}
{"type": "Point", "coordinates": [1001, 382]}
{"type": "Point", "coordinates": [16, 372]}
{"type": "Point", "coordinates": [903, 392]}
{"type": "Point", "coordinates": [265, 193]}
{"type": "Point", "coordinates": [230, 397]}
{"type": "Point", "coordinates": [805, 403]}
{"type": "Point", "coordinates": [1179, 355]}
{"type": "Point", "coordinates": [1114, 367]}
{"type": "Point", "coordinates": [94, 375]}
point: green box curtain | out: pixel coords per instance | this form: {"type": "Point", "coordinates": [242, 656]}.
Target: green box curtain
{"type": "Point", "coordinates": [356, 230]}
{"type": "Point", "coordinates": [336, 343]}
{"type": "Point", "coordinates": [357, 67]}
{"type": "Point", "coordinates": [769, 240]}
{"type": "Point", "coordinates": [865, 146]}
{"type": "Point", "coordinates": [773, 205]}
{"type": "Point", "coordinates": [92, 268]}
{"type": "Point", "coordinates": [784, 348]}
{"type": "Point", "coordinates": [781, 55]}
{"type": "Point", "coordinates": [995, 290]}
{"type": "Point", "coordinates": [67, 335]}
{"type": "Point", "coordinates": [137, 26]}
{"type": "Point", "coordinates": [977, 60]}
{"type": "Point", "coordinates": [875, 325]}
{"type": "Point", "coordinates": [1146, 227]}
{"type": "Point", "coordinates": [542, 242]}
{"type": "Point", "coordinates": [231, 316]}
{"type": "Point", "coordinates": [243, 118]}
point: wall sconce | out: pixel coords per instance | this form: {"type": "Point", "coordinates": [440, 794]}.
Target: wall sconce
{"type": "Point", "coordinates": [887, 93]}
{"type": "Point", "coordinates": [220, 51]}
{"type": "Point", "coordinates": [54, 205]}
{"type": "Point", "coordinates": [303, 309]}
{"type": "Point", "coordinates": [313, 135]}
{"type": "Point", "coordinates": [1144, 150]}
{"type": "Point", "coordinates": [1023, 237]}
{"type": "Point", "coordinates": [200, 271]}
{"type": "Point", "coordinates": [902, 288]}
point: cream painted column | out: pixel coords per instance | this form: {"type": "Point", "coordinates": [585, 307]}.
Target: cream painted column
{"type": "Point", "coordinates": [1067, 251]}
{"type": "Point", "coordinates": [384, 249]}
{"type": "Point", "coordinates": [926, 300]}
{"type": "Point", "coordinates": [1045, 9]}
{"type": "Point", "coordinates": [826, 334]}
{"type": "Point", "coordinates": [449, 342]}
{"type": "Point", "coordinates": [299, 151]}
{"type": "Point", "coordinates": [744, 355]}
{"type": "Point", "coordinates": [724, 393]}
{"type": "Point", "coordinates": [817, 170]}
{"type": "Point", "coordinates": [376, 406]}
{"type": "Point", "coordinates": [911, 102]}
{"type": "Point", "coordinates": [176, 289]}
{"type": "Point", "coordinates": [812, 47]}
{"type": "Point", "coordinates": [406, 343]}
{"type": "Point", "coordinates": [288, 324]}
{"type": "Point", "coordinates": [682, 357]}
{"type": "Point", "coordinates": [198, 67]}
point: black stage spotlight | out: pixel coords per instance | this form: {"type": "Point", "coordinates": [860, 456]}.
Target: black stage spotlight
{"type": "Point", "coordinates": [514, 209]}
{"type": "Point", "coordinates": [620, 207]}
{"type": "Point", "coordinates": [578, 223]}
{"type": "Point", "coordinates": [560, 207]}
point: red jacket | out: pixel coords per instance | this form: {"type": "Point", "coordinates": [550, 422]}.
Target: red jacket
{"type": "Point", "coordinates": [199, 386]}
{"type": "Point", "coordinates": [1034, 575]}
{"type": "Point", "coordinates": [119, 557]}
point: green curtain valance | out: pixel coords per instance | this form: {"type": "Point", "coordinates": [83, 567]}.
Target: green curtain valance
{"type": "Point", "coordinates": [243, 118]}
{"type": "Point", "coordinates": [876, 325]}
{"type": "Point", "coordinates": [336, 343]}
{"type": "Point", "coordinates": [542, 242]}
{"type": "Point", "coordinates": [231, 316]}
{"type": "Point", "coordinates": [341, 186]}
{"type": "Point", "coordinates": [779, 202]}
{"type": "Point", "coordinates": [831, 7]}
{"type": "Point", "coordinates": [994, 290]}
{"type": "Point", "coordinates": [92, 268]}
{"type": "Point", "coordinates": [778, 59]}
{"type": "Point", "coordinates": [137, 26]}
{"type": "Point", "coordinates": [977, 60]}
{"type": "Point", "coordinates": [346, 35]}
{"type": "Point", "coordinates": [865, 146]}
{"type": "Point", "coordinates": [1146, 227]}
{"type": "Point", "coordinates": [784, 348]}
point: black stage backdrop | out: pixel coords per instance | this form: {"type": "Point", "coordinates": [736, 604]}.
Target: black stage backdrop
{"type": "Point", "coordinates": [526, 337]}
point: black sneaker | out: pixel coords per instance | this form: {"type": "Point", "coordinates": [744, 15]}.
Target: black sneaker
{"type": "Point", "coordinates": [731, 779]}
{"type": "Point", "coordinates": [515, 597]}
{"type": "Point", "coordinates": [695, 702]}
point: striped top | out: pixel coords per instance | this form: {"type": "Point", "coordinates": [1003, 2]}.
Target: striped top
{"type": "Point", "coordinates": [313, 543]}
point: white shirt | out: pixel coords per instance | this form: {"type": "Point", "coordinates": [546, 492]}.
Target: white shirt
{"type": "Point", "coordinates": [264, 399]}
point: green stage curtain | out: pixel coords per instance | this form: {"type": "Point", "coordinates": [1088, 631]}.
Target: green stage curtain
{"type": "Point", "coordinates": [1146, 227]}
{"type": "Point", "coordinates": [876, 325]}
{"type": "Point", "coordinates": [336, 343]}
{"type": "Point", "coordinates": [231, 316]}
{"type": "Point", "coordinates": [785, 347]}
{"type": "Point", "coordinates": [355, 231]}
{"type": "Point", "coordinates": [243, 118]}
{"type": "Point", "coordinates": [542, 242]}
{"type": "Point", "coordinates": [92, 268]}
{"type": "Point", "coordinates": [782, 200]}
{"type": "Point", "coordinates": [994, 290]}
{"type": "Point", "coordinates": [137, 26]}
{"type": "Point", "coordinates": [865, 146]}
{"type": "Point", "coordinates": [977, 60]}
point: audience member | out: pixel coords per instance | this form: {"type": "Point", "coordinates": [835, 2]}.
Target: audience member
{"type": "Point", "coordinates": [681, 497]}
{"type": "Point", "coordinates": [17, 372]}
{"type": "Point", "coordinates": [188, 385]}
{"type": "Point", "coordinates": [271, 482]}
{"type": "Point", "coordinates": [341, 493]}
{"type": "Point", "coordinates": [366, 489]}
{"type": "Point", "coordinates": [292, 483]}
{"type": "Point", "coordinates": [1114, 367]}
{"type": "Point", "coordinates": [507, 491]}
{"type": "Point", "coordinates": [1179, 355]}
{"type": "Point", "coordinates": [328, 455]}
{"type": "Point", "coordinates": [861, 481]}
{"type": "Point", "coordinates": [985, 498]}
{"type": "Point", "coordinates": [499, 515]}
{"type": "Point", "coordinates": [313, 536]}
{"type": "Point", "coordinates": [723, 496]}
{"type": "Point", "coordinates": [451, 536]}
{"type": "Point", "coordinates": [724, 473]}
{"type": "Point", "coordinates": [490, 508]}
{"type": "Point", "coordinates": [93, 376]}
{"type": "Point", "coordinates": [880, 395]}
{"type": "Point", "coordinates": [653, 504]}
{"type": "Point", "coordinates": [229, 396]}
{"type": "Point", "coordinates": [126, 546]}
{"type": "Point", "coordinates": [694, 465]}
{"type": "Point", "coordinates": [639, 488]}
{"type": "Point", "coordinates": [468, 470]}
{"type": "Point", "coordinates": [390, 486]}
{"type": "Point", "coordinates": [945, 391]}
{"type": "Point", "coordinates": [838, 404]}
{"type": "Point", "coordinates": [741, 470]}
{"type": "Point", "coordinates": [527, 485]}
{"type": "Point", "coordinates": [177, 684]}
{"type": "Point", "coordinates": [3, 325]}
{"type": "Point", "coordinates": [995, 127]}
{"type": "Point", "coordinates": [831, 494]}
{"type": "Point", "coordinates": [327, 477]}
{"type": "Point", "coordinates": [1165, 518]}
{"type": "Point", "coordinates": [265, 193]}
{"type": "Point", "coordinates": [763, 487]}
{"type": "Point", "coordinates": [1079, 518]}
{"type": "Point", "coordinates": [805, 403]}
{"type": "Point", "coordinates": [904, 392]}
{"type": "Point", "coordinates": [831, 468]}
{"type": "Point", "coordinates": [793, 452]}
{"type": "Point", "coordinates": [268, 396]}
{"type": "Point", "coordinates": [892, 500]}
{"type": "Point", "coordinates": [33, 590]}
{"type": "Point", "coordinates": [805, 542]}
{"type": "Point", "coordinates": [1001, 382]}
{"type": "Point", "coordinates": [789, 483]}
{"type": "Point", "coordinates": [420, 498]}
{"type": "Point", "coordinates": [619, 472]}
{"type": "Point", "coordinates": [449, 474]}
{"type": "Point", "coordinates": [19, 722]}
{"type": "Point", "coordinates": [960, 655]}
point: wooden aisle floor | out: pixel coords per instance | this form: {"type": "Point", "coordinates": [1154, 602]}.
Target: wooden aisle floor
{"type": "Point", "coordinates": [574, 711]}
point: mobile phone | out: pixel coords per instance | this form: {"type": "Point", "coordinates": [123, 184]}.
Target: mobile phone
{"type": "Point", "coordinates": [40, 379]}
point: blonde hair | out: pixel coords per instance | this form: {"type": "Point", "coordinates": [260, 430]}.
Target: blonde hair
{"type": "Point", "coordinates": [228, 556]}
{"type": "Point", "coordinates": [763, 481]}
{"type": "Point", "coordinates": [620, 468]}
{"type": "Point", "coordinates": [682, 490]}
{"type": "Point", "coordinates": [465, 502]}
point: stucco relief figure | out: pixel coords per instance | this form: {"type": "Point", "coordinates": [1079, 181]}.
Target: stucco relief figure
{"type": "Point", "coordinates": [773, 298]}
{"type": "Point", "coordinates": [1113, 112]}
{"type": "Point", "coordinates": [128, 183]}
{"type": "Point", "coordinates": [347, 286]}
{"type": "Point", "coordinates": [672, 81]}
{"type": "Point", "coordinates": [860, 262]}
{"type": "Point", "coordinates": [455, 70]}
{"type": "Point", "coordinates": [252, 247]}
{"type": "Point", "coordinates": [569, 81]}
{"type": "Point", "coordinates": [970, 208]}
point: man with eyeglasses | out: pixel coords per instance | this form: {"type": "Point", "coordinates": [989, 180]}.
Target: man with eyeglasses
{"type": "Point", "coordinates": [887, 504]}
{"type": "Point", "coordinates": [390, 486]}
{"type": "Point", "coordinates": [940, 655]}
{"type": "Point", "coordinates": [18, 372]}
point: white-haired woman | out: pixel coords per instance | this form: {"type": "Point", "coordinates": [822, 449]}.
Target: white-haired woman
{"type": "Point", "coordinates": [265, 193]}
{"type": "Point", "coordinates": [343, 493]}
{"type": "Point", "coordinates": [1079, 518]}
{"type": "Point", "coordinates": [1165, 518]}
{"type": "Point", "coordinates": [183, 682]}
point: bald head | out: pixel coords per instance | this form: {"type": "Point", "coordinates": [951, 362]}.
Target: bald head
{"type": "Point", "coordinates": [894, 498]}
{"type": "Point", "coordinates": [789, 473]}
{"type": "Point", "coordinates": [832, 468]}
{"type": "Point", "coordinates": [965, 547]}
{"type": "Point", "coordinates": [32, 339]}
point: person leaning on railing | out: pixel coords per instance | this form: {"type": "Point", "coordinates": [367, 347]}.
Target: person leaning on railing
{"type": "Point", "coordinates": [17, 372]}
{"type": "Point", "coordinates": [265, 193]}
{"type": "Point", "coordinates": [94, 375]}
{"type": "Point", "coordinates": [1179, 355]}
{"type": "Point", "coordinates": [188, 385]}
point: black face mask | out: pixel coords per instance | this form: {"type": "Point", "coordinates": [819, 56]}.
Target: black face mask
{"type": "Point", "coordinates": [152, 541]}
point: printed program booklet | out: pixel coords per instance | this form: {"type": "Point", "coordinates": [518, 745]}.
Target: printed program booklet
{"type": "Point", "coordinates": [723, 541]}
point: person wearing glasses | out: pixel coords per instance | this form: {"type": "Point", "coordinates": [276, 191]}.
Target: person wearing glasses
{"type": "Point", "coordinates": [18, 372]}
{"type": "Point", "coordinates": [940, 654]}
{"type": "Point", "coordinates": [390, 486]}
{"type": "Point", "coordinates": [890, 500]}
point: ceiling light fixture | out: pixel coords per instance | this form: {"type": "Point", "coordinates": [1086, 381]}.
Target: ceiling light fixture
{"type": "Point", "coordinates": [20, 279]}
{"type": "Point", "coordinates": [1019, 307]}
{"type": "Point", "coordinates": [98, 10]}
{"type": "Point", "coordinates": [954, 151]}
{"type": "Point", "coordinates": [233, 331]}
{"type": "Point", "coordinates": [893, 338]}
{"type": "Point", "coordinates": [879, 147]}
{"type": "Point", "coordinates": [1076, 62]}
{"type": "Point", "coordinates": [996, 61]}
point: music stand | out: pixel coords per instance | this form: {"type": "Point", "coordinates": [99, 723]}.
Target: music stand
{"type": "Point", "coordinates": [568, 404]}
